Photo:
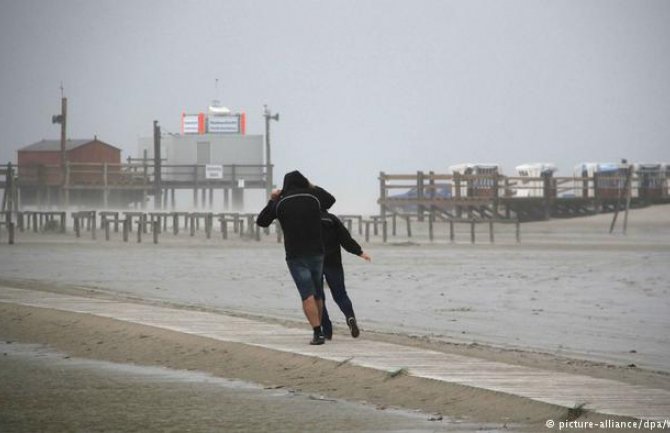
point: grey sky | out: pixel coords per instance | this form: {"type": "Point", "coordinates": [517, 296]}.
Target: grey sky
{"type": "Point", "coordinates": [361, 86]}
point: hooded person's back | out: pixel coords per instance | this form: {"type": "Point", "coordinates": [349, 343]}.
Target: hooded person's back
{"type": "Point", "coordinates": [294, 180]}
{"type": "Point", "coordinates": [298, 209]}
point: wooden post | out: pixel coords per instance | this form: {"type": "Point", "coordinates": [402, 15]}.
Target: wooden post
{"type": "Point", "coordinates": [393, 224]}
{"type": "Point", "coordinates": [105, 223]}
{"type": "Point", "coordinates": [140, 229]}
{"type": "Point", "coordinates": [224, 227]}
{"type": "Point", "coordinates": [419, 194]}
{"type": "Point", "coordinates": [195, 188]}
{"type": "Point", "coordinates": [491, 236]}
{"type": "Point", "coordinates": [76, 225]}
{"type": "Point", "coordinates": [629, 187]}
{"type": "Point", "coordinates": [208, 225]}
{"type": "Point", "coordinates": [409, 226]}
{"type": "Point", "coordinates": [382, 194]}
{"type": "Point", "coordinates": [472, 231]}
{"type": "Point", "coordinates": [63, 221]}
{"type": "Point", "coordinates": [192, 225]}
{"type": "Point", "coordinates": [156, 229]}
{"type": "Point", "coordinates": [236, 223]}
{"type": "Point", "coordinates": [126, 229]}
{"type": "Point", "coordinates": [384, 230]}
{"type": "Point", "coordinates": [430, 226]}
{"type": "Point", "coordinates": [496, 194]}
{"type": "Point", "coordinates": [451, 230]}
{"type": "Point", "coordinates": [546, 195]}
{"type": "Point", "coordinates": [93, 224]}
{"type": "Point", "coordinates": [457, 195]}
{"type": "Point", "coordinates": [105, 191]}
{"type": "Point", "coordinates": [367, 231]}
{"type": "Point", "coordinates": [10, 230]}
{"type": "Point", "coordinates": [518, 231]}
{"type": "Point", "coordinates": [507, 209]}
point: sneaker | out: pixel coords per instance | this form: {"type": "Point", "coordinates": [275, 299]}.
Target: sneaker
{"type": "Point", "coordinates": [353, 327]}
{"type": "Point", "coordinates": [317, 339]}
{"type": "Point", "coordinates": [327, 330]}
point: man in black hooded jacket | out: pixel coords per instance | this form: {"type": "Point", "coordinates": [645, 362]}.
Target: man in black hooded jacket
{"type": "Point", "coordinates": [298, 207]}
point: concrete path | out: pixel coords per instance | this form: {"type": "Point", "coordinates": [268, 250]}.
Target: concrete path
{"type": "Point", "coordinates": [562, 389]}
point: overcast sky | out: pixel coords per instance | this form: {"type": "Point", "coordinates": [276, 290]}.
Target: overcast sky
{"type": "Point", "coordinates": [361, 86]}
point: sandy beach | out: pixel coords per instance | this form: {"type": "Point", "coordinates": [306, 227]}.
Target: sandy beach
{"type": "Point", "coordinates": [570, 297]}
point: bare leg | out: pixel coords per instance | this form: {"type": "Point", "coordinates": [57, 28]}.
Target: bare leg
{"type": "Point", "coordinates": [311, 308]}
{"type": "Point", "coordinates": [319, 305]}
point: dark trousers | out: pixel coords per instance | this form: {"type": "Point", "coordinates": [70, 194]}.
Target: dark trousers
{"type": "Point", "coordinates": [335, 278]}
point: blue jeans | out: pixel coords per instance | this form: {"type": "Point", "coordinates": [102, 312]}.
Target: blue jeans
{"type": "Point", "coordinates": [335, 277]}
{"type": "Point", "coordinates": [307, 273]}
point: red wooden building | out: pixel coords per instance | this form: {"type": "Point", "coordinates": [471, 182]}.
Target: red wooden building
{"type": "Point", "coordinates": [41, 162]}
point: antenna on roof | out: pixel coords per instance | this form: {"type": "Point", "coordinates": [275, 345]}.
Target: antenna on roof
{"type": "Point", "coordinates": [215, 107]}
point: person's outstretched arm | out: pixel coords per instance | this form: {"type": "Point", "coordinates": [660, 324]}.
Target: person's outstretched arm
{"type": "Point", "coordinates": [349, 243]}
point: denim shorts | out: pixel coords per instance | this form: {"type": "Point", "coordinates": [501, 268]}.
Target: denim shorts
{"type": "Point", "coordinates": [307, 272]}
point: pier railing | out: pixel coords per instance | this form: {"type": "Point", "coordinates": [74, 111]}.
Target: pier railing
{"type": "Point", "coordinates": [77, 174]}
{"type": "Point", "coordinates": [498, 196]}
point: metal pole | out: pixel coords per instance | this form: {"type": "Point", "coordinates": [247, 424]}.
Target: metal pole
{"type": "Point", "coordinates": [62, 119]}
{"type": "Point", "coordinates": [629, 187]}
{"type": "Point", "coordinates": [158, 198]}
{"type": "Point", "coordinates": [268, 158]}
{"type": "Point", "coordinates": [63, 137]}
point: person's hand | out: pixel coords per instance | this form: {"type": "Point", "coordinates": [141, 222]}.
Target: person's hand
{"type": "Point", "coordinates": [365, 256]}
{"type": "Point", "coordinates": [275, 194]}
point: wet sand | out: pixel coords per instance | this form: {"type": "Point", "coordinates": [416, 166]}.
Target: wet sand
{"type": "Point", "coordinates": [79, 335]}
{"type": "Point", "coordinates": [47, 391]}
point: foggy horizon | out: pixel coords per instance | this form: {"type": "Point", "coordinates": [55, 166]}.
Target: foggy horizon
{"type": "Point", "coordinates": [361, 87]}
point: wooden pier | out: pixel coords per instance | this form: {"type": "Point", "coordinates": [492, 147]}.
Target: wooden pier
{"type": "Point", "coordinates": [496, 197]}
{"type": "Point", "coordinates": [124, 225]}
{"type": "Point", "coordinates": [130, 185]}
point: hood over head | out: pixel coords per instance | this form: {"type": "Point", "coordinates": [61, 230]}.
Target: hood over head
{"type": "Point", "coordinates": [294, 180]}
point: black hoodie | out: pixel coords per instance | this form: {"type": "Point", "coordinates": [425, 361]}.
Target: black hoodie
{"type": "Point", "coordinates": [298, 210]}
{"type": "Point", "coordinates": [335, 234]}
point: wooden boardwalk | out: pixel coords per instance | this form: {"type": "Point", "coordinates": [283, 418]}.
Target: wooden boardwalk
{"type": "Point", "coordinates": [602, 396]}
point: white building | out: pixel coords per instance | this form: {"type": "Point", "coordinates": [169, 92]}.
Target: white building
{"type": "Point", "coordinates": [217, 139]}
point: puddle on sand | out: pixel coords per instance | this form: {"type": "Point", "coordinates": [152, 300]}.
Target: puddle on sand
{"type": "Point", "coordinates": [46, 391]}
